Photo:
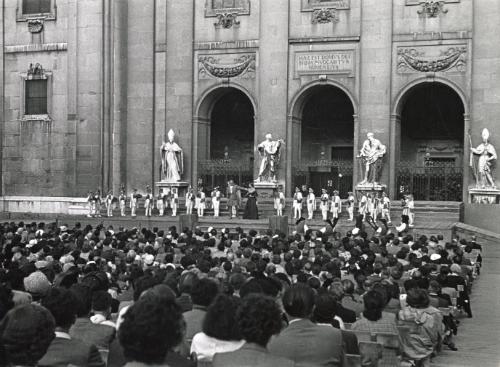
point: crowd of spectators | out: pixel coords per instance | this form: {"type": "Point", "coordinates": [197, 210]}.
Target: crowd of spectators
{"type": "Point", "coordinates": [96, 296]}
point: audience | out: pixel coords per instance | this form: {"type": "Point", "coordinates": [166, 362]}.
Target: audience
{"type": "Point", "coordinates": [233, 299]}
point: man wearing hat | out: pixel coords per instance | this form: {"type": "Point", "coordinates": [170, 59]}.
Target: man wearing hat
{"type": "Point", "coordinates": [336, 206]}
{"type": "Point", "coordinates": [350, 205]}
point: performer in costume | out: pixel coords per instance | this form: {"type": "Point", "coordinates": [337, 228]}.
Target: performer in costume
{"type": "Point", "coordinates": [324, 202]}
{"type": "Point", "coordinates": [190, 198]}
{"type": "Point", "coordinates": [122, 200]}
{"type": "Point", "coordinates": [90, 200]}
{"type": "Point", "coordinates": [134, 198]}
{"type": "Point", "coordinates": [216, 200]}
{"type": "Point", "coordinates": [385, 203]}
{"type": "Point", "coordinates": [251, 210]}
{"type": "Point", "coordinates": [171, 159]}
{"type": "Point", "coordinates": [279, 200]}
{"type": "Point", "coordinates": [297, 204]}
{"type": "Point", "coordinates": [148, 203]}
{"type": "Point", "coordinates": [109, 203]}
{"type": "Point", "coordinates": [336, 207]}
{"type": "Point", "coordinates": [200, 201]}
{"type": "Point", "coordinates": [411, 207]}
{"type": "Point", "coordinates": [160, 203]}
{"type": "Point", "coordinates": [233, 195]}
{"type": "Point", "coordinates": [311, 203]}
{"type": "Point", "coordinates": [350, 205]}
{"type": "Point", "coordinates": [362, 208]}
{"type": "Point", "coordinates": [174, 201]}
{"type": "Point", "coordinates": [98, 202]}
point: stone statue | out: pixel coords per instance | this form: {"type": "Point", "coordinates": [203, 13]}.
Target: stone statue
{"type": "Point", "coordinates": [371, 154]}
{"type": "Point", "coordinates": [482, 168]}
{"type": "Point", "coordinates": [171, 159]}
{"type": "Point", "coordinates": [269, 151]}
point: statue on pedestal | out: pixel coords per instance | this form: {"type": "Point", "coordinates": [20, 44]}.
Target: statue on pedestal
{"type": "Point", "coordinates": [270, 152]}
{"type": "Point", "coordinates": [171, 159]}
{"type": "Point", "coordinates": [371, 154]}
{"type": "Point", "coordinates": [482, 168]}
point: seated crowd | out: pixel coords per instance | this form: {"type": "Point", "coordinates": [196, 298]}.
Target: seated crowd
{"type": "Point", "coordinates": [98, 296]}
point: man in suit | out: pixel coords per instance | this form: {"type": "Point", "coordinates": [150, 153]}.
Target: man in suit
{"type": "Point", "coordinates": [259, 317]}
{"type": "Point", "coordinates": [302, 341]}
{"type": "Point", "coordinates": [64, 349]}
{"type": "Point", "coordinates": [233, 195]}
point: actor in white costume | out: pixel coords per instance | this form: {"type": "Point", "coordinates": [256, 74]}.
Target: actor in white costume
{"type": "Point", "coordinates": [311, 204]}
{"type": "Point", "coordinates": [297, 204]}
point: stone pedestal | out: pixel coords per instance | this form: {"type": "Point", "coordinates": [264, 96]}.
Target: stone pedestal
{"type": "Point", "coordinates": [265, 189]}
{"type": "Point", "coordinates": [188, 220]}
{"type": "Point", "coordinates": [484, 196]}
{"type": "Point", "coordinates": [180, 185]}
{"type": "Point", "coordinates": [370, 188]}
{"type": "Point", "coordinates": [278, 223]}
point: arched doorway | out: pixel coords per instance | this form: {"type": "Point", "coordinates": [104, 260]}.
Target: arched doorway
{"type": "Point", "coordinates": [225, 137]}
{"type": "Point", "coordinates": [431, 144]}
{"type": "Point", "coordinates": [325, 115]}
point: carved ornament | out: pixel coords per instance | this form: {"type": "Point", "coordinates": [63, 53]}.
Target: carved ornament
{"type": "Point", "coordinates": [242, 65]}
{"type": "Point", "coordinates": [412, 59]}
{"type": "Point", "coordinates": [324, 15]}
{"type": "Point", "coordinates": [35, 72]}
{"type": "Point", "coordinates": [431, 8]}
{"type": "Point", "coordinates": [227, 20]}
{"type": "Point", "coordinates": [35, 25]}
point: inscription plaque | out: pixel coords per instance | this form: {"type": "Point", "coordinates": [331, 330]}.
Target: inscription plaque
{"type": "Point", "coordinates": [326, 62]}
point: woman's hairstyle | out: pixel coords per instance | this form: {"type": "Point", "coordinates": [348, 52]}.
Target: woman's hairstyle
{"type": "Point", "coordinates": [325, 308]}
{"type": "Point", "coordinates": [26, 333]}
{"type": "Point", "coordinates": [417, 298]}
{"type": "Point", "coordinates": [220, 319]}
{"type": "Point", "coordinates": [374, 304]}
{"type": "Point", "coordinates": [150, 328]}
{"type": "Point", "coordinates": [298, 300]}
{"type": "Point", "coordinates": [259, 318]}
{"type": "Point", "coordinates": [63, 305]}
{"type": "Point", "coordinates": [204, 292]}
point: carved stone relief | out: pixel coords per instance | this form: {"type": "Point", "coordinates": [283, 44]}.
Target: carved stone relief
{"type": "Point", "coordinates": [226, 66]}
{"type": "Point", "coordinates": [431, 59]}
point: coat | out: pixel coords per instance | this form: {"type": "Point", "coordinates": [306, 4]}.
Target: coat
{"type": "Point", "coordinates": [250, 355]}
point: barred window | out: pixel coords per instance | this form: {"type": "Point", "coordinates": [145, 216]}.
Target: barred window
{"type": "Point", "coordinates": [36, 6]}
{"type": "Point", "coordinates": [36, 97]}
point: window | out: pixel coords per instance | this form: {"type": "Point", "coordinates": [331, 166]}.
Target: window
{"type": "Point", "coordinates": [36, 97]}
{"type": "Point", "coordinates": [36, 6]}
{"type": "Point", "coordinates": [214, 7]}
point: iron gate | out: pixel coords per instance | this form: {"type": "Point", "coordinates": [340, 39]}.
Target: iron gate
{"type": "Point", "coordinates": [217, 172]}
{"type": "Point", "coordinates": [324, 173]}
{"type": "Point", "coordinates": [434, 181]}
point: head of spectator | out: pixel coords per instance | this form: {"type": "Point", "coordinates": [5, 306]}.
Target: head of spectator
{"type": "Point", "coordinates": [259, 318]}
{"type": "Point", "coordinates": [325, 308]}
{"type": "Point", "coordinates": [6, 300]}
{"type": "Point", "coordinates": [63, 305]}
{"type": "Point", "coordinates": [26, 333]}
{"type": "Point", "coordinates": [417, 298]}
{"type": "Point", "coordinates": [374, 303]}
{"type": "Point", "coordinates": [83, 297]}
{"type": "Point", "coordinates": [298, 301]}
{"type": "Point", "coordinates": [101, 303]}
{"type": "Point", "coordinates": [220, 319]}
{"type": "Point", "coordinates": [204, 292]}
{"type": "Point", "coordinates": [37, 285]}
{"type": "Point", "coordinates": [150, 329]}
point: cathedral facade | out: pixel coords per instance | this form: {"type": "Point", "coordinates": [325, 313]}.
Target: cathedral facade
{"type": "Point", "coordinates": [90, 89]}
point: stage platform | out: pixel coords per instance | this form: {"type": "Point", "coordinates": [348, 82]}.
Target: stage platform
{"type": "Point", "coordinates": [430, 218]}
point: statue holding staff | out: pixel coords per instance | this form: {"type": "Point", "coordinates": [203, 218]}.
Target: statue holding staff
{"type": "Point", "coordinates": [371, 154]}
{"type": "Point", "coordinates": [269, 151]}
{"type": "Point", "coordinates": [482, 170]}
{"type": "Point", "coordinates": [171, 159]}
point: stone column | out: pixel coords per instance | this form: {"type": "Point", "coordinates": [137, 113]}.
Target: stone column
{"type": "Point", "coordinates": [376, 56]}
{"type": "Point", "coordinates": [271, 114]}
{"type": "Point", "coordinates": [106, 104]}
{"type": "Point", "coordinates": [355, 161]}
{"type": "Point", "coordinates": [465, 162]}
{"type": "Point", "coordinates": [119, 126]}
{"type": "Point", "coordinates": [293, 149]}
{"type": "Point", "coordinates": [2, 93]}
{"type": "Point", "coordinates": [179, 81]}
{"type": "Point", "coordinates": [394, 154]}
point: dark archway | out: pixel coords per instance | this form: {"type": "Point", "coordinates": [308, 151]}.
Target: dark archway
{"type": "Point", "coordinates": [226, 119]}
{"type": "Point", "coordinates": [431, 144]}
{"type": "Point", "coordinates": [327, 140]}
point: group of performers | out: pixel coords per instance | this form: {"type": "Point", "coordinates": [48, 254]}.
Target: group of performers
{"type": "Point", "coordinates": [372, 207]}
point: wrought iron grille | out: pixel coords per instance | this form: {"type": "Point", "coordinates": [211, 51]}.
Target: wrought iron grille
{"type": "Point", "coordinates": [217, 172]}
{"type": "Point", "coordinates": [434, 181]}
{"type": "Point", "coordinates": [324, 173]}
